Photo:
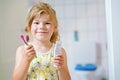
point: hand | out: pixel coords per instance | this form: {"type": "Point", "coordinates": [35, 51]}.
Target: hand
{"type": "Point", "coordinates": [29, 53]}
{"type": "Point", "coordinates": [58, 60]}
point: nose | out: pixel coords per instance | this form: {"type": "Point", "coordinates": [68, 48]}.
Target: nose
{"type": "Point", "coordinates": [41, 25]}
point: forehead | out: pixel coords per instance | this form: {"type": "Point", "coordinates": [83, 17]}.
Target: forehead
{"type": "Point", "coordinates": [43, 17]}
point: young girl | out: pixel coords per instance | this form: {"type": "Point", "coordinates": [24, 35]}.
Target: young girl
{"type": "Point", "coordinates": [36, 61]}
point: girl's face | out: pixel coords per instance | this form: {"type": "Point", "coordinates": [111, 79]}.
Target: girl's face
{"type": "Point", "coordinates": [42, 28]}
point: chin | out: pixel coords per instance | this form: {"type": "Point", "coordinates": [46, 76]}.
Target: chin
{"type": "Point", "coordinates": [41, 39]}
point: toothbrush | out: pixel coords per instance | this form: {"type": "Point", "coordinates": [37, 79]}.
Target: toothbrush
{"type": "Point", "coordinates": [22, 37]}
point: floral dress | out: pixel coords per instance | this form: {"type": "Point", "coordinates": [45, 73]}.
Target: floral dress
{"type": "Point", "coordinates": [41, 67]}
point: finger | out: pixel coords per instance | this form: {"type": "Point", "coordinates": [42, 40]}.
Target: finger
{"type": "Point", "coordinates": [59, 55]}
{"type": "Point", "coordinates": [31, 54]}
{"type": "Point", "coordinates": [29, 47]}
{"type": "Point", "coordinates": [30, 57]}
{"type": "Point", "coordinates": [58, 58]}
{"type": "Point", "coordinates": [58, 63]}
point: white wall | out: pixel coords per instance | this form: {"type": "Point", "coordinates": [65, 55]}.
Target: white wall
{"type": "Point", "coordinates": [113, 31]}
{"type": "Point", "coordinates": [12, 20]}
{"type": "Point", "coordinates": [88, 18]}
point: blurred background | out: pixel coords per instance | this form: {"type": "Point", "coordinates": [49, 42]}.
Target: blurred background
{"type": "Point", "coordinates": [83, 31]}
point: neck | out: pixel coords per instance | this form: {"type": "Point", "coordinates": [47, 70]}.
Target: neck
{"type": "Point", "coordinates": [42, 46]}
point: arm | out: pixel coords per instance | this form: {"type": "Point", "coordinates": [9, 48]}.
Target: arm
{"type": "Point", "coordinates": [61, 61]}
{"type": "Point", "coordinates": [22, 62]}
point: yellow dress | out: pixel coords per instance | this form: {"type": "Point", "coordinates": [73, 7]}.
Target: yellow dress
{"type": "Point", "coordinates": [41, 67]}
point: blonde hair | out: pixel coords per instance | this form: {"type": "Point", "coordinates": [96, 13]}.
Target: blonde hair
{"type": "Point", "coordinates": [37, 10]}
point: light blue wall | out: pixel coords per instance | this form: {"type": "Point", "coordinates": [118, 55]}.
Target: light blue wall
{"type": "Point", "coordinates": [116, 36]}
{"type": "Point", "coordinates": [113, 29]}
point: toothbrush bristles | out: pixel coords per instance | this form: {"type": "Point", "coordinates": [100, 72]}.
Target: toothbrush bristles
{"type": "Point", "coordinates": [22, 37]}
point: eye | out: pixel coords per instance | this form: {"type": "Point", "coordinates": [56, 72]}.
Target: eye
{"type": "Point", "coordinates": [47, 23]}
{"type": "Point", "coordinates": [36, 22]}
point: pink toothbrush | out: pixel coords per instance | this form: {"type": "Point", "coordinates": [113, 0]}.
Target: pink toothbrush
{"type": "Point", "coordinates": [22, 37]}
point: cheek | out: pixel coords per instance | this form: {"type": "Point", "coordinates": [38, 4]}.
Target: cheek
{"type": "Point", "coordinates": [33, 29]}
{"type": "Point", "coordinates": [52, 30]}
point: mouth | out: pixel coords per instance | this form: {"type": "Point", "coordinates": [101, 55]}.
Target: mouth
{"type": "Point", "coordinates": [42, 32]}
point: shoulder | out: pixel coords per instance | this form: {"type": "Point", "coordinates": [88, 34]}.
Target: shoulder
{"type": "Point", "coordinates": [63, 51]}
{"type": "Point", "coordinates": [20, 50]}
